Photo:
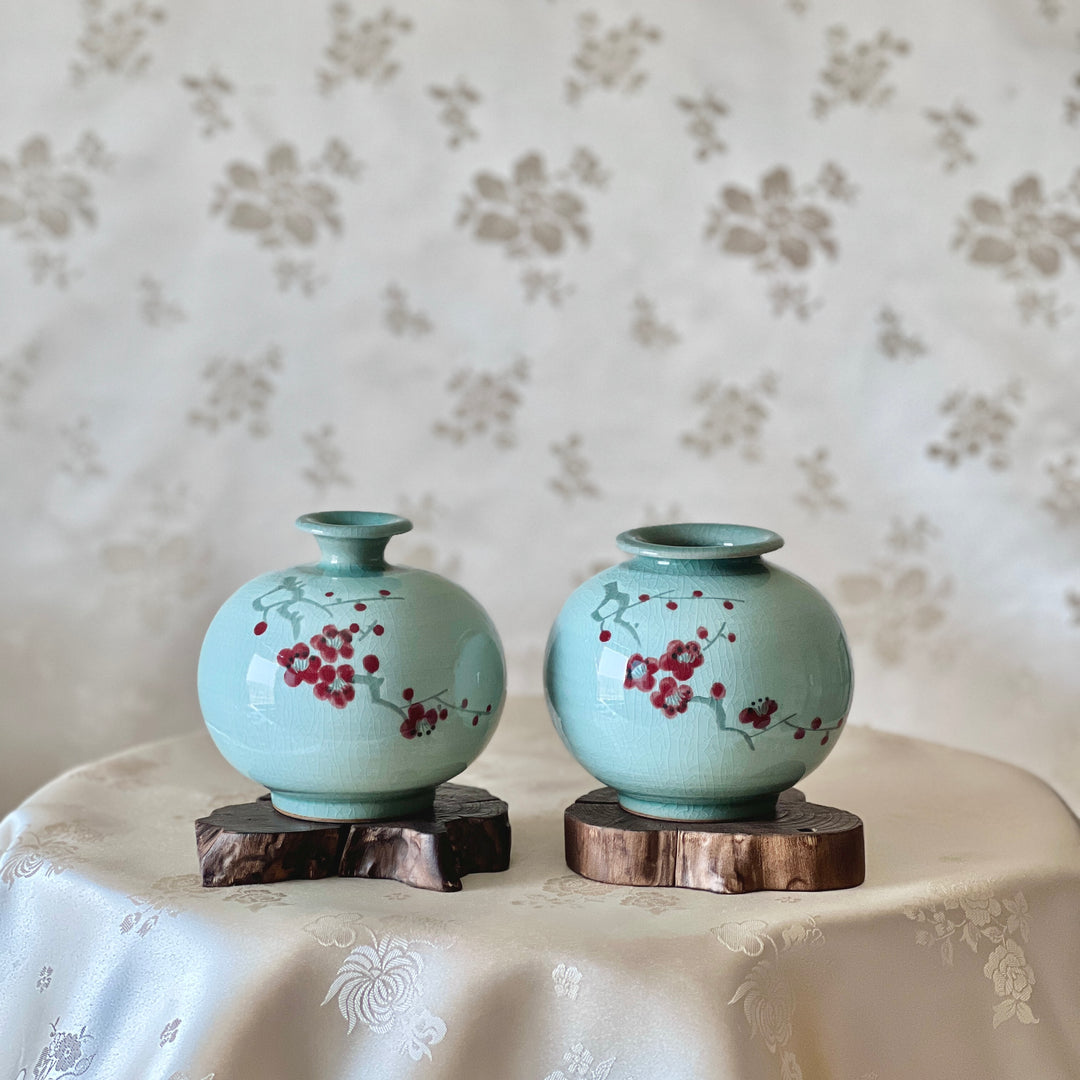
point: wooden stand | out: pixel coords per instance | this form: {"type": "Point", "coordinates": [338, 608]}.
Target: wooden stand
{"type": "Point", "coordinates": [806, 848]}
{"type": "Point", "coordinates": [466, 832]}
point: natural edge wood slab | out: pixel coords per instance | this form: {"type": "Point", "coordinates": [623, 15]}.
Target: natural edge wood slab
{"type": "Point", "coordinates": [806, 847]}
{"type": "Point", "coordinates": [467, 831]}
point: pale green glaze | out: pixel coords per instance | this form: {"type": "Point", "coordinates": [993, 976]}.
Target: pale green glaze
{"type": "Point", "coordinates": [350, 740]}
{"type": "Point", "coordinates": [691, 727]}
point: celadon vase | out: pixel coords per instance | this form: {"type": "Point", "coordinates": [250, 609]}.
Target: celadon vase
{"type": "Point", "coordinates": [349, 687]}
{"type": "Point", "coordinates": [698, 679]}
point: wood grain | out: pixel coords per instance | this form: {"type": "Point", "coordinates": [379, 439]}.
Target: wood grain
{"type": "Point", "coordinates": [806, 847]}
{"type": "Point", "coordinates": [467, 831]}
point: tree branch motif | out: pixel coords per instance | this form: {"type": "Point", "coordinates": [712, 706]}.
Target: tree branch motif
{"type": "Point", "coordinates": [333, 663]}
{"type": "Point", "coordinates": [666, 678]}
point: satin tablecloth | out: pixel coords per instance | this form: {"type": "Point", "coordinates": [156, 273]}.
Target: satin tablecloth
{"type": "Point", "coordinates": [959, 958]}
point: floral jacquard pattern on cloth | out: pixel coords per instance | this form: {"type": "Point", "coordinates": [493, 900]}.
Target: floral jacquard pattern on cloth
{"type": "Point", "coordinates": [978, 917]}
{"type": "Point", "coordinates": [537, 972]}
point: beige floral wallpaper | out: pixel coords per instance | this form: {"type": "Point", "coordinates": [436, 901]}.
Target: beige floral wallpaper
{"type": "Point", "coordinates": [534, 273]}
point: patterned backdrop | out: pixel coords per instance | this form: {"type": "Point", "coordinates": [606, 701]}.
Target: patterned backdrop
{"type": "Point", "coordinates": [531, 274]}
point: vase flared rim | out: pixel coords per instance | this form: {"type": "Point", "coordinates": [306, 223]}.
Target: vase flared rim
{"type": "Point", "coordinates": [353, 524]}
{"type": "Point", "coordinates": [699, 540]}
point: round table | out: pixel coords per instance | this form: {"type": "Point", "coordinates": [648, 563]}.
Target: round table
{"type": "Point", "coordinates": [959, 957]}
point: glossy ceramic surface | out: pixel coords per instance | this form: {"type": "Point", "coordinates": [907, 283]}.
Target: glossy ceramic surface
{"type": "Point", "coordinates": [698, 679]}
{"type": "Point", "coordinates": [351, 688]}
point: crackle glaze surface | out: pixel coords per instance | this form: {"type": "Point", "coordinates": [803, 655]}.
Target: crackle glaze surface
{"type": "Point", "coordinates": [697, 679]}
{"type": "Point", "coordinates": [351, 688]}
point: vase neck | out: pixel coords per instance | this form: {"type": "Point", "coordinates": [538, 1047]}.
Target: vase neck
{"type": "Point", "coordinates": [345, 555]}
{"type": "Point", "coordinates": [353, 541]}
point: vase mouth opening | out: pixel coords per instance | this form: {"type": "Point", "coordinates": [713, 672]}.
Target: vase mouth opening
{"type": "Point", "coordinates": [353, 524]}
{"type": "Point", "coordinates": [699, 540]}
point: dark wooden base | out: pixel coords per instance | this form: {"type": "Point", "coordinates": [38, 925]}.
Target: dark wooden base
{"type": "Point", "coordinates": [806, 847]}
{"type": "Point", "coordinates": [466, 832]}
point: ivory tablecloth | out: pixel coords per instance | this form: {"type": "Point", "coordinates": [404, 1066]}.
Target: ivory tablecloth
{"type": "Point", "coordinates": [959, 958]}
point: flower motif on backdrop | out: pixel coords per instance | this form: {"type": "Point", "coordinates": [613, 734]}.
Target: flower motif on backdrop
{"type": "Point", "coordinates": [46, 197]}
{"type": "Point", "coordinates": [487, 403]}
{"type": "Point", "coordinates": [455, 102]}
{"type": "Point", "coordinates": [897, 601]}
{"type": "Point", "coordinates": [609, 60]}
{"type": "Point", "coordinates": [534, 212]}
{"type": "Point", "coordinates": [285, 203]}
{"type": "Point", "coordinates": [526, 213]}
{"type": "Point", "coordinates": [208, 101]}
{"type": "Point", "coordinates": [855, 74]}
{"type": "Point", "coordinates": [1028, 237]}
{"type": "Point", "coordinates": [978, 424]}
{"type": "Point", "coordinates": [952, 130]}
{"type": "Point", "coordinates": [240, 390]}
{"type": "Point", "coordinates": [732, 416]}
{"type": "Point", "coordinates": [704, 115]}
{"type": "Point", "coordinates": [361, 48]}
{"type": "Point", "coordinates": [113, 39]}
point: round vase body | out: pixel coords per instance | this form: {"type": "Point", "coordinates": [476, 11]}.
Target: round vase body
{"type": "Point", "coordinates": [351, 688]}
{"type": "Point", "coordinates": [697, 679]}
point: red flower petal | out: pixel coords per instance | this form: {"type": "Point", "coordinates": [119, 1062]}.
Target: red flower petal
{"type": "Point", "coordinates": [718, 690]}
{"type": "Point", "coordinates": [378, 630]}
{"type": "Point", "coordinates": [260, 628]}
{"type": "Point", "coordinates": [407, 693]}
{"type": "Point", "coordinates": [605, 635]}
{"type": "Point", "coordinates": [728, 604]}
{"type": "Point", "coordinates": [371, 663]}
{"type": "Point", "coordinates": [800, 734]}
{"type": "Point", "coordinates": [816, 723]}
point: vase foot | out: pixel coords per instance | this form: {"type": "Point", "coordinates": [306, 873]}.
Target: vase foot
{"type": "Point", "coordinates": [755, 808]}
{"type": "Point", "coordinates": [328, 808]}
